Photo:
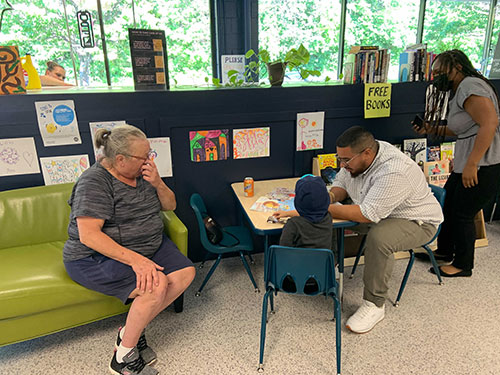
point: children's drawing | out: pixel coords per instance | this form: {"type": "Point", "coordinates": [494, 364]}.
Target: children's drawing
{"type": "Point", "coordinates": [94, 126]}
{"type": "Point", "coordinates": [251, 143]}
{"type": "Point", "coordinates": [161, 155]}
{"type": "Point", "coordinates": [58, 123]}
{"type": "Point", "coordinates": [209, 145]}
{"type": "Point", "coordinates": [18, 156]}
{"type": "Point", "coordinates": [276, 200]}
{"type": "Point", "coordinates": [310, 128]}
{"type": "Point", "coordinates": [11, 71]}
{"type": "Point", "coordinates": [63, 169]}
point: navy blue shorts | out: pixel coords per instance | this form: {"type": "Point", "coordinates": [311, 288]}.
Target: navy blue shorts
{"type": "Point", "coordinates": [111, 277]}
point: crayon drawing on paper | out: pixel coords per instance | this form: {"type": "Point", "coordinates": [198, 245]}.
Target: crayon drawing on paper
{"type": "Point", "coordinates": [18, 156]}
{"type": "Point", "coordinates": [251, 143]}
{"type": "Point", "coordinates": [310, 130]}
{"type": "Point", "coordinates": [208, 145]}
{"type": "Point", "coordinates": [63, 169]}
{"type": "Point", "coordinates": [161, 155]}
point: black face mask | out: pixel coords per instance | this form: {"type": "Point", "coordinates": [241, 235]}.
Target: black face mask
{"type": "Point", "coordinates": [442, 83]}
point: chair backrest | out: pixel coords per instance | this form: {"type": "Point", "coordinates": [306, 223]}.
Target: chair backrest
{"type": "Point", "coordinates": [200, 211]}
{"type": "Point", "coordinates": [440, 194]}
{"type": "Point", "coordinates": [300, 264]}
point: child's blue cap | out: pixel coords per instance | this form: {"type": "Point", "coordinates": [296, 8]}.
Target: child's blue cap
{"type": "Point", "coordinates": [311, 198]}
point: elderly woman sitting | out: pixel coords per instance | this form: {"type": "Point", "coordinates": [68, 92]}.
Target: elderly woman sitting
{"type": "Point", "coordinates": [116, 244]}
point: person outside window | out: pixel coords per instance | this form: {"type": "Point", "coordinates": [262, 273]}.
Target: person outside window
{"type": "Point", "coordinates": [55, 75]}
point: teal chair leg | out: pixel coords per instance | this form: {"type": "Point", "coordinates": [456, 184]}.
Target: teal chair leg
{"type": "Point", "coordinates": [247, 267]}
{"type": "Point", "coordinates": [198, 293]}
{"type": "Point", "coordinates": [405, 278]}
{"type": "Point", "coordinates": [358, 255]}
{"type": "Point", "coordinates": [338, 330]}
{"type": "Point", "coordinates": [251, 259]}
{"type": "Point", "coordinates": [263, 329]}
{"type": "Point", "coordinates": [271, 299]}
{"type": "Point", "coordinates": [434, 264]}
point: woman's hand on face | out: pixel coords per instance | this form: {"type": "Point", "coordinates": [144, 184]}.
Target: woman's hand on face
{"type": "Point", "coordinates": [150, 173]}
{"type": "Point", "coordinates": [146, 272]}
{"type": "Point", "coordinates": [469, 176]}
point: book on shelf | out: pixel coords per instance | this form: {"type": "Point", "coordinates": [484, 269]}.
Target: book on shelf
{"type": "Point", "coordinates": [438, 179]}
{"type": "Point", "coordinates": [416, 149]}
{"type": "Point", "coordinates": [415, 63]}
{"type": "Point", "coordinates": [433, 153]}
{"type": "Point", "coordinates": [436, 167]}
{"type": "Point", "coordinates": [366, 64]}
{"type": "Point", "coordinates": [447, 150]}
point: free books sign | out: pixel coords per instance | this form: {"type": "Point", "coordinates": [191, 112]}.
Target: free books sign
{"type": "Point", "coordinates": [377, 100]}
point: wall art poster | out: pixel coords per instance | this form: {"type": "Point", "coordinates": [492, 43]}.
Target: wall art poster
{"type": "Point", "coordinates": [63, 169]}
{"type": "Point", "coordinates": [310, 127]}
{"type": "Point", "coordinates": [208, 145]}
{"type": "Point", "coordinates": [11, 71]}
{"type": "Point", "coordinates": [94, 126]}
{"type": "Point", "coordinates": [161, 155]}
{"type": "Point", "coordinates": [57, 122]}
{"type": "Point", "coordinates": [18, 156]}
{"type": "Point", "coordinates": [251, 143]}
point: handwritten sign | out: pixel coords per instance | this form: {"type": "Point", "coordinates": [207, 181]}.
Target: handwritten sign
{"type": "Point", "coordinates": [377, 100]}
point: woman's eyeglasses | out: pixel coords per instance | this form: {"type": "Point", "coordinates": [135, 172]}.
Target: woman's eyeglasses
{"type": "Point", "coordinates": [144, 159]}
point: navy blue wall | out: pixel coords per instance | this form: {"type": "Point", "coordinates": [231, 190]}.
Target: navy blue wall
{"type": "Point", "coordinates": [174, 114]}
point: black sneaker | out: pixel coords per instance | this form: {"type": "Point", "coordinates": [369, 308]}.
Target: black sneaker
{"type": "Point", "coordinates": [132, 364]}
{"type": "Point", "coordinates": [147, 354]}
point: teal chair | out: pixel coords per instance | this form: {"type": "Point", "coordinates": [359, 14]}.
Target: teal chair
{"type": "Point", "coordinates": [283, 264]}
{"type": "Point", "coordinates": [440, 194]}
{"type": "Point", "coordinates": [235, 239]}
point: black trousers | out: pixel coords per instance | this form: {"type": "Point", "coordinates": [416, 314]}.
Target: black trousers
{"type": "Point", "coordinates": [458, 232]}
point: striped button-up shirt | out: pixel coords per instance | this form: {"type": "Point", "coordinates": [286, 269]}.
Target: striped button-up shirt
{"type": "Point", "coordinates": [393, 186]}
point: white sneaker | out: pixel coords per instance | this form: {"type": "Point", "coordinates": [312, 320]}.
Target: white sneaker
{"type": "Point", "coordinates": [367, 316]}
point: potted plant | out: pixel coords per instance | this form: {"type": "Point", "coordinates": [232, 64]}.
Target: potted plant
{"type": "Point", "coordinates": [294, 59]}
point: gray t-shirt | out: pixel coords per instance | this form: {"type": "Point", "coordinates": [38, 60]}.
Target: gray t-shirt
{"type": "Point", "coordinates": [460, 122]}
{"type": "Point", "coordinates": [131, 214]}
{"type": "Point", "coordinates": [300, 232]}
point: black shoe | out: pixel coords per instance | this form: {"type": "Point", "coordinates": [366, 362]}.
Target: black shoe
{"type": "Point", "coordinates": [463, 273]}
{"type": "Point", "coordinates": [438, 256]}
{"type": "Point", "coordinates": [132, 364]}
{"type": "Point", "coordinates": [147, 354]}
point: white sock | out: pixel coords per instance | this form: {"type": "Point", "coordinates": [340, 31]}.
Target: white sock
{"type": "Point", "coordinates": [122, 332]}
{"type": "Point", "coordinates": [121, 352]}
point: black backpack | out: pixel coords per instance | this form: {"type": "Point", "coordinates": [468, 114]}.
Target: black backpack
{"type": "Point", "coordinates": [215, 232]}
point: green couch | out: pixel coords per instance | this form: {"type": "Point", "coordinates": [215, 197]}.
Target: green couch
{"type": "Point", "coordinates": [37, 297]}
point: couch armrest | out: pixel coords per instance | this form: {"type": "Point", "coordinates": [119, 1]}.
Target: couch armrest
{"type": "Point", "coordinates": [175, 230]}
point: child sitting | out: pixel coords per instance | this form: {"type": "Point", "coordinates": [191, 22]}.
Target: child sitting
{"type": "Point", "coordinates": [313, 227]}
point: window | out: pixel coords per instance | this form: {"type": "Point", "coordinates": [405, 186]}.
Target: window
{"type": "Point", "coordinates": [451, 24]}
{"type": "Point", "coordinates": [187, 29]}
{"type": "Point", "coordinates": [285, 24]}
{"type": "Point", "coordinates": [388, 24]}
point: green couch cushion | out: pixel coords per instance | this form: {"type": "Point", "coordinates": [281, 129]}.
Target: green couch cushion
{"type": "Point", "coordinates": [33, 279]}
{"type": "Point", "coordinates": [34, 215]}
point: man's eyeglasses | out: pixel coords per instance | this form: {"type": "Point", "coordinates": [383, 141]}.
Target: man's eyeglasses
{"type": "Point", "coordinates": [346, 161]}
{"type": "Point", "coordinates": [144, 159]}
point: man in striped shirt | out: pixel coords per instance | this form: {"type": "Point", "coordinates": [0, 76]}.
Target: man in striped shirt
{"type": "Point", "coordinates": [391, 199]}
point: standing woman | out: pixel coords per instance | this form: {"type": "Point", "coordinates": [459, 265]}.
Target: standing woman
{"type": "Point", "coordinates": [116, 244]}
{"type": "Point", "coordinates": [473, 117]}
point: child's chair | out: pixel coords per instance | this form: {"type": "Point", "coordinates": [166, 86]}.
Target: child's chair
{"type": "Point", "coordinates": [302, 266]}
{"type": "Point", "coordinates": [440, 194]}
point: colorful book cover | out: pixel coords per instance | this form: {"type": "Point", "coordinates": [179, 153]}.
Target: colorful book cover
{"type": "Point", "coordinates": [447, 150]}
{"type": "Point", "coordinates": [433, 153]}
{"type": "Point", "coordinates": [327, 160]}
{"type": "Point", "coordinates": [438, 179]}
{"type": "Point", "coordinates": [416, 149]}
{"type": "Point", "coordinates": [436, 167]}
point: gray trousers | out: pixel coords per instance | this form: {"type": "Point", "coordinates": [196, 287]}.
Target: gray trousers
{"type": "Point", "coordinates": [383, 240]}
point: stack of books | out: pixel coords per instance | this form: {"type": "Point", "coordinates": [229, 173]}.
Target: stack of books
{"type": "Point", "coordinates": [415, 63]}
{"type": "Point", "coordinates": [366, 64]}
